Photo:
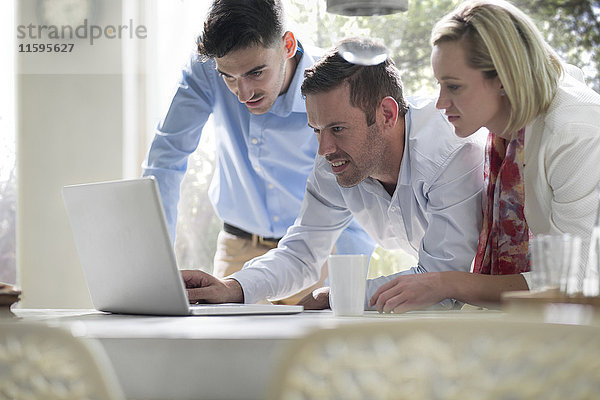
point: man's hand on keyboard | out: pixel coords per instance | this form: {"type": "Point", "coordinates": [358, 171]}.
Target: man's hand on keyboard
{"type": "Point", "coordinates": [205, 288]}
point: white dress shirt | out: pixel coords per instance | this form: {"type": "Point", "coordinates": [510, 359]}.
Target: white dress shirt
{"type": "Point", "coordinates": [434, 213]}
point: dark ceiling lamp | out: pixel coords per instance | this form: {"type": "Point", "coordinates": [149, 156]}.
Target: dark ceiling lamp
{"type": "Point", "coordinates": [366, 7]}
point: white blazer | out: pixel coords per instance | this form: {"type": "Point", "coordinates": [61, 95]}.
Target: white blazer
{"type": "Point", "coordinates": [562, 164]}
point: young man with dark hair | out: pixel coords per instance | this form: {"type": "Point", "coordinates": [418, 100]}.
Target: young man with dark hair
{"type": "Point", "coordinates": [247, 74]}
{"type": "Point", "coordinates": [394, 165]}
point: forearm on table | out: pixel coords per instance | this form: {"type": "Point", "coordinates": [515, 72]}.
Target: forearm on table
{"type": "Point", "coordinates": [480, 289]}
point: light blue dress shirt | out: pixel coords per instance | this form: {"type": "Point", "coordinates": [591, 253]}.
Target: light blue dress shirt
{"type": "Point", "coordinates": [434, 213]}
{"type": "Point", "coordinates": [263, 161]}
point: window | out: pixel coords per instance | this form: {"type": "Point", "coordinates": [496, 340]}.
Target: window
{"type": "Point", "coordinates": [178, 25]}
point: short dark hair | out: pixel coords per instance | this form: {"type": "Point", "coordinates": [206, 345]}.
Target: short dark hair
{"type": "Point", "coordinates": [368, 84]}
{"type": "Point", "coordinates": [236, 24]}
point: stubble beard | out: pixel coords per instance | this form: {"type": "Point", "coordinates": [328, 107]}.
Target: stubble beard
{"type": "Point", "coordinates": [374, 151]}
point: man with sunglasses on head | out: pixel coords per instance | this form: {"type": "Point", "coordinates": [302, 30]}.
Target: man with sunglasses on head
{"type": "Point", "coordinates": [394, 165]}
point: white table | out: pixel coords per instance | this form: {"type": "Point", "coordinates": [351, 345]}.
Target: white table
{"type": "Point", "coordinates": [201, 357]}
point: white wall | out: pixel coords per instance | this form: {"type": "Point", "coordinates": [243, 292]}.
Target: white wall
{"type": "Point", "coordinates": [69, 130]}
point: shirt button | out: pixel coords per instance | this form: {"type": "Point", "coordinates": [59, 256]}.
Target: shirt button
{"type": "Point", "coordinates": [254, 141]}
{"type": "Point", "coordinates": [257, 169]}
{"type": "Point", "coordinates": [271, 186]}
{"type": "Point", "coordinates": [276, 218]}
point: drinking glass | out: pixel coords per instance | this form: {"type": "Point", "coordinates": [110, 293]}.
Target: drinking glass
{"type": "Point", "coordinates": [555, 263]}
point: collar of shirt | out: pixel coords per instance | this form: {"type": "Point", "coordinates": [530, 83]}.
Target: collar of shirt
{"type": "Point", "coordinates": [404, 179]}
{"type": "Point", "coordinates": [292, 101]}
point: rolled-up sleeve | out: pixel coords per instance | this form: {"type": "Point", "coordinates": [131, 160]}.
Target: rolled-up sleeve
{"type": "Point", "coordinates": [296, 263]}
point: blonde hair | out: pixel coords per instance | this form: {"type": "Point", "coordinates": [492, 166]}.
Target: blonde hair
{"type": "Point", "coordinates": [500, 40]}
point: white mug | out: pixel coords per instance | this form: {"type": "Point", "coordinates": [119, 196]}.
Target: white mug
{"type": "Point", "coordinates": [348, 280]}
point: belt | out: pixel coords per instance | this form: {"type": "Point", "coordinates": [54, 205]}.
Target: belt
{"type": "Point", "coordinates": [256, 239]}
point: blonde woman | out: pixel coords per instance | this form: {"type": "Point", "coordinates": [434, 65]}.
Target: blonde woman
{"type": "Point", "coordinates": [543, 156]}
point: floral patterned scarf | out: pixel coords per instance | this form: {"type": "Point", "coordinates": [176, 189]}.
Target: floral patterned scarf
{"type": "Point", "coordinates": [504, 238]}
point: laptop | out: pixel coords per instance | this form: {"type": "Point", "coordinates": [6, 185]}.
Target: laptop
{"type": "Point", "coordinates": [125, 250]}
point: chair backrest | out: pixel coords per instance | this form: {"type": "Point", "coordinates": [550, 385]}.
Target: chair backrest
{"type": "Point", "coordinates": [455, 358]}
{"type": "Point", "coordinates": [38, 361]}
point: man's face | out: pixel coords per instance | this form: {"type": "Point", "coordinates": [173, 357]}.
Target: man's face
{"type": "Point", "coordinates": [353, 149]}
{"type": "Point", "coordinates": [256, 75]}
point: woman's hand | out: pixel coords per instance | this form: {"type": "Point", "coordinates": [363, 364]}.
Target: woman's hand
{"type": "Point", "coordinates": [409, 292]}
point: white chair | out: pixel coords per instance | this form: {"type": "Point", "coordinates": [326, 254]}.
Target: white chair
{"type": "Point", "coordinates": [42, 362]}
{"type": "Point", "coordinates": [454, 358]}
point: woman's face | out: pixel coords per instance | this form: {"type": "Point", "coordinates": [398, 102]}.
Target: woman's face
{"type": "Point", "coordinates": [469, 99]}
